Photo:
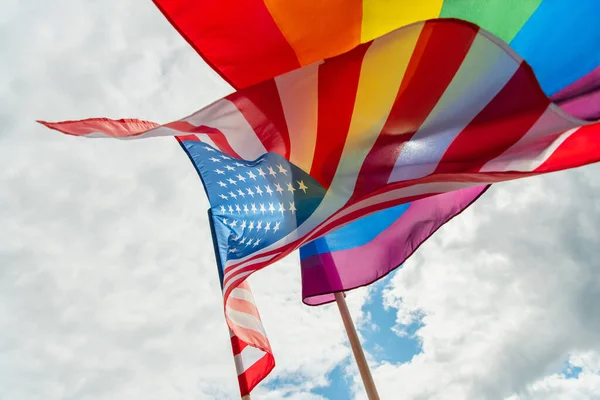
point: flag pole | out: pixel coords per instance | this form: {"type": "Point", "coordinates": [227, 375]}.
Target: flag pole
{"type": "Point", "coordinates": [359, 355]}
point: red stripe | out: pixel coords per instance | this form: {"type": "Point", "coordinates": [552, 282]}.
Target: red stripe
{"type": "Point", "coordinates": [218, 138]}
{"type": "Point", "coordinates": [262, 108]}
{"type": "Point", "coordinates": [255, 374]}
{"type": "Point", "coordinates": [250, 336]}
{"type": "Point", "coordinates": [237, 345]}
{"type": "Point", "coordinates": [110, 127]}
{"type": "Point", "coordinates": [185, 138]}
{"type": "Point", "coordinates": [238, 39]}
{"type": "Point", "coordinates": [581, 148]}
{"type": "Point", "coordinates": [430, 70]}
{"type": "Point", "coordinates": [338, 83]}
{"type": "Point", "coordinates": [502, 122]}
{"type": "Point", "coordinates": [242, 306]}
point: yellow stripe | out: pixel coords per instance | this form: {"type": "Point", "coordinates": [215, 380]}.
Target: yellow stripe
{"type": "Point", "coordinates": [383, 16]}
{"type": "Point", "coordinates": [382, 71]}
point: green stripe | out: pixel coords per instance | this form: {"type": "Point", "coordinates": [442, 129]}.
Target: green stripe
{"type": "Point", "coordinates": [504, 18]}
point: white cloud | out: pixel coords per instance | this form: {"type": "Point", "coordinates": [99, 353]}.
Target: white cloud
{"type": "Point", "coordinates": [108, 287]}
{"type": "Point", "coordinates": [506, 293]}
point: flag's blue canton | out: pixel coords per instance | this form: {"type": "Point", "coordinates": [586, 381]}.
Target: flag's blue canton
{"type": "Point", "coordinates": [254, 203]}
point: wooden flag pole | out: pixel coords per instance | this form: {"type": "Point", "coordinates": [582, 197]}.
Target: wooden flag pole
{"type": "Point", "coordinates": [359, 355]}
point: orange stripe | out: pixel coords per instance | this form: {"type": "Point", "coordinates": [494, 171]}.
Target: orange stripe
{"type": "Point", "coordinates": [318, 29]}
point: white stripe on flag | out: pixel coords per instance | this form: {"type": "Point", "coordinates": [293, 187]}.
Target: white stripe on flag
{"type": "Point", "coordinates": [530, 152]}
{"type": "Point", "coordinates": [246, 320]}
{"type": "Point", "coordinates": [225, 116]}
{"type": "Point", "coordinates": [463, 99]}
{"type": "Point", "coordinates": [242, 294]}
{"type": "Point", "coordinates": [298, 91]}
{"type": "Point", "coordinates": [247, 358]}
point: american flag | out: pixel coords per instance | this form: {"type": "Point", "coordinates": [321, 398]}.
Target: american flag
{"type": "Point", "coordinates": [253, 358]}
{"type": "Point", "coordinates": [430, 108]}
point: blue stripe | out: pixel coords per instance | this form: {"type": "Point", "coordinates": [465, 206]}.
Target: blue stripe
{"type": "Point", "coordinates": [355, 234]}
{"type": "Point", "coordinates": [561, 42]}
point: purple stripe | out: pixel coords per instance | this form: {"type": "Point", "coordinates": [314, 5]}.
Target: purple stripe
{"type": "Point", "coordinates": [582, 98]}
{"type": "Point", "coordinates": [324, 274]}
{"type": "Point", "coordinates": [589, 82]}
{"type": "Point", "coordinates": [586, 106]}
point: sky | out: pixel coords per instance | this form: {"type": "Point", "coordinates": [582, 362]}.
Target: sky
{"type": "Point", "coordinates": [108, 286]}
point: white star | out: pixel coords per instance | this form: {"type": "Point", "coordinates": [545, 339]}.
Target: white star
{"type": "Point", "coordinates": [253, 208]}
{"type": "Point", "coordinates": [213, 159]}
{"type": "Point", "coordinates": [302, 186]}
{"type": "Point", "coordinates": [256, 243]}
{"type": "Point", "coordinates": [282, 170]}
{"type": "Point", "coordinates": [222, 184]}
{"type": "Point", "coordinates": [219, 172]}
{"type": "Point", "coordinates": [238, 209]}
{"type": "Point", "coordinates": [278, 188]}
{"type": "Point", "coordinates": [224, 221]}
{"type": "Point", "coordinates": [251, 226]}
{"type": "Point", "coordinates": [231, 194]}
{"type": "Point", "coordinates": [231, 181]}
{"type": "Point", "coordinates": [224, 157]}
{"type": "Point", "coordinates": [262, 208]}
{"type": "Point", "coordinates": [251, 175]}
{"type": "Point", "coordinates": [290, 188]}
{"type": "Point", "coordinates": [271, 171]}
{"type": "Point", "coordinates": [232, 250]}
{"type": "Point", "coordinates": [271, 208]}
{"type": "Point", "coordinates": [223, 196]}
{"type": "Point", "coordinates": [276, 228]}
{"type": "Point", "coordinates": [239, 164]}
{"type": "Point", "coordinates": [241, 178]}
{"type": "Point", "coordinates": [208, 148]}
{"type": "Point", "coordinates": [243, 225]}
{"type": "Point", "coordinates": [268, 188]}
{"type": "Point", "coordinates": [234, 223]}
{"type": "Point", "coordinates": [240, 193]}
{"type": "Point", "coordinates": [258, 190]}
{"type": "Point", "coordinates": [223, 209]}
{"type": "Point", "coordinates": [229, 168]}
{"type": "Point", "coordinates": [258, 225]}
{"type": "Point", "coordinates": [250, 192]}
{"type": "Point", "coordinates": [281, 208]}
{"type": "Point", "coordinates": [261, 172]}
{"type": "Point", "coordinates": [292, 207]}
{"type": "Point", "coordinates": [246, 208]}
{"type": "Point", "coordinates": [230, 209]}
{"type": "Point", "coordinates": [268, 226]}
{"type": "Point", "coordinates": [242, 241]}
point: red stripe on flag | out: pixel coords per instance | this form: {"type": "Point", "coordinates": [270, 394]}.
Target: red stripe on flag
{"type": "Point", "coordinates": [432, 67]}
{"type": "Point", "coordinates": [238, 39]}
{"type": "Point", "coordinates": [502, 122]}
{"type": "Point", "coordinates": [256, 373]}
{"type": "Point", "coordinates": [242, 306]}
{"type": "Point", "coordinates": [237, 345]}
{"type": "Point", "coordinates": [581, 148]}
{"type": "Point", "coordinates": [111, 127]}
{"type": "Point", "coordinates": [338, 83]}
{"type": "Point", "coordinates": [250, 336]}
{"type": "Point", "coordinates": [261, 107]}
{"type": "Point", "coordinates": [184, 138]}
